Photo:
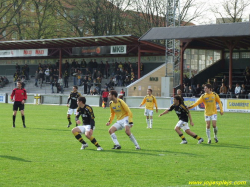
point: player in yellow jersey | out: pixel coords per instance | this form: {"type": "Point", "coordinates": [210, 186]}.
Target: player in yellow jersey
{"type": "Point", "coordinates": [209, 99]}
{"type": "Point", "coordinates": [150, 101]}
{"type": "Point", "coordinates": [124, 119]}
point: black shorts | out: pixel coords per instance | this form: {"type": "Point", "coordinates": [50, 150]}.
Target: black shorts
{"type": "Point", "coordinates": [18, 104]}
{"type": "Point", "coordinates": [105, 99]}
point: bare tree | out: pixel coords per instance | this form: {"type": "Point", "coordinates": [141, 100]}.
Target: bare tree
{"type": "Point", "coordinates": [231, 10]}
{"type": "Point", "coordinates": [152, 13]}
{"type": "Point", "coordinates": [93, 17]}
{"type": "Point", "coordinates": [8, 10]}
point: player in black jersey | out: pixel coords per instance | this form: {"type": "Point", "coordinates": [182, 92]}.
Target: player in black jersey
{"type": "Point", "coordinates": [183, 115]}
{"type": "Point", "coordinates": [73, 103]}
{"type": "Point", "coordinates": [88, 126]}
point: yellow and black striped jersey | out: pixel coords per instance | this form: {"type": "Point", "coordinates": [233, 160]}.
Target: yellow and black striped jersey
{"type": "Point", "coordinates": [181, 111]}
{"type": "Point", "coordinates": [87, 114]}
{"type": "Point", "coordinates": [73, 99]}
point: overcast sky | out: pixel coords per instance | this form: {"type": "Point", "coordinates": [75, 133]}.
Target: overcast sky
{"type": "Point", "coordinates": [209, 17]}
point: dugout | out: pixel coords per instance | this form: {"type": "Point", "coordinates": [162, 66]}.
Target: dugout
{"type": "Point", "coordinates": [230, 39]}
{"type": "Point", "coordinates": [107, 48]}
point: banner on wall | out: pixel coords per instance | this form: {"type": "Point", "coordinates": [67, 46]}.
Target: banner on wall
{"type": "Point", "coordinates": [2, 98]}
{"type": "Point", "coordinates": [96, 50]}
{"type": "Point", "coordinates": [24, 52]}
{"type": "Point", "coordinates": [238, 105]}
{"type": "Point", "coordinates": [187, 101]}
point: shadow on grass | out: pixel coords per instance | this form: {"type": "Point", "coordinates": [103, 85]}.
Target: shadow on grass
{"type": "Point", "coordinates": [230, 146]}
{"type": "Point", "coordinates": [146, 152]}
{"type": "Point", "coordinates": [56, 129]}
{"type": "Point", "coordinates": [14, 158]}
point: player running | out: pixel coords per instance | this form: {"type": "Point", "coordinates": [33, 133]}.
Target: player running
{"type": "Point", "coordinates": [183, 115]}
{"type": "Point", "coordinates": [88, 126]}
{"type": "Point", "coordinates": [209, 99]}
{"type": "Point", "coordinates": [124, 119]}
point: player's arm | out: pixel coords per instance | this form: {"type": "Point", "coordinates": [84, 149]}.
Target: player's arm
{"type": "Point", "coordinates": [25, 96]}
{"type": "Point", "coordinates": [112, 116]}
{"type": "Point", "coordinates": [78, 113]}
{"type": "Point", "coordinates": [128, 111]}
{"type": "Point", "coordinates": [91, 115]}
{"type": "Point", "coordinates": [217, 99]}
{"type": "Point", "coordinates": [167, 111]}
{"type": "Point", "coordinates": [12, 94]}
{"type": "Point", "coordinates": [199, 101]}
{"type": "Point", "coordinates": [156, 106]}
{"type": "Point", "coordinates": [68, 101]}
{"type": "Point", "coordinates": [190, 118]}
{"type": "Point", "coordinates": [143, 101]}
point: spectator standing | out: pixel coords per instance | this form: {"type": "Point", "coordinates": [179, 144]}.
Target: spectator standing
{"type": "Point", "coordinates": [66, 78]}
{"type": "Point", "coordinates": [223, 90]}
{"type": "Point", "coordinates": [85, 85]}
{"type": "Point", "coordinates": [230, 92]}
{"type": "Point", "coordinates": [60, 85]}
{"type": "Point", "coordinates": [243, 91]}
{"type": "Point", "coordinates": [47, 75]}
{"type": "Point", "coordinates": [193, 83]}
{"type": "Point", "coordinates": [198, 91]}
{"type": "Point", "coordinates": [105, 94]}
{"type": "Point", "coordinates": [36, 78]}
{"type": "Point", "coordinates": [237, 90]}
{"type": "Point", "coordinates": [41, 78]}
{"type": "Point", "coordinates": [107, 69]}
{"type": "Point", "coordinates": [75, 77]}
{"type": "Point", "coordinates": [215, 86]}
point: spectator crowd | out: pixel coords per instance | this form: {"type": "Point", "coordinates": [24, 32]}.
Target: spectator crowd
{"type": "Point", "coordinates": [87, 74]}
{"type": "Point", "coordinates": [192, 89]}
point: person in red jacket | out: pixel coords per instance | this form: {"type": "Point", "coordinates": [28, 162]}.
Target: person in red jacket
{"type": "Point", "coordinates": [105, 95]}
{"type": "Point", "coordinates": [18, 96]}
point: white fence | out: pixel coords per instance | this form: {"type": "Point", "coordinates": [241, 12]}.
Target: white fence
{"type": "Point", "coordinates": [229, 105]}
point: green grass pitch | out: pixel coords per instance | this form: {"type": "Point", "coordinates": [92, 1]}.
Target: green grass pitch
{"type": "Point", "coordinates": [47, 154]}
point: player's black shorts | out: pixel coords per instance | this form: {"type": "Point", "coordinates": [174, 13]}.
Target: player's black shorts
{"type": "Point", "coordinates": [18, 104]}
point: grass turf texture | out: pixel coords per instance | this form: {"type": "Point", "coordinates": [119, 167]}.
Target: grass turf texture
{"type": "Point", "coordinates": [47, 154]}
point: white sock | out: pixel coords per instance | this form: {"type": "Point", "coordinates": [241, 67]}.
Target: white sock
{"type": "Point", "coordinates": [208, 134]}
{"type": "Point", "coordinates": [114, 138]}
{"type": "Point", "coordinates": [148, 123]}
{"type": "Point", "coordinates": [215, 132]}
{"type": "Point", "coordinates": [132, 138]}
{"type": "Point", "coordinates": [151, 123]}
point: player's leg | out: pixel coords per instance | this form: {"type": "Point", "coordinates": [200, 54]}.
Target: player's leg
{"type": "Point", "coordinates": [215, 130]}
{"type": "Point", "coordinates": [21, 108]}
{"type": "Point", "coordinates": [131, 136]}
{"type": "Point", "coordinates": [178, 130]}
{"type": "Point", "coordinates": [89, 135]}
{"type": "Point", "coordinates": [77, 131]}
{"type": "Point", "coordinates": [195, 136]}
{"type": "Point", "coordinates": [75, 111]}
{"type": "Point", "coordinates": [147, 118]}
{"type": "Point", "coordinates": [15, 108]}
{"type": "Point", "coordinates": [23, 118]}
{"type": "Point", "coordinates": [148, 122]}
{"type": "Point", "coordinates": [14, 118]}
{"type": "Point", "coordinates": [69, 113]}
{"type": "Point", "coordinates": [112, 130]}
{"type": "Point", "coordinates": [151, 118]}
{"type": "Point", "coordinates": [208, 129]}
